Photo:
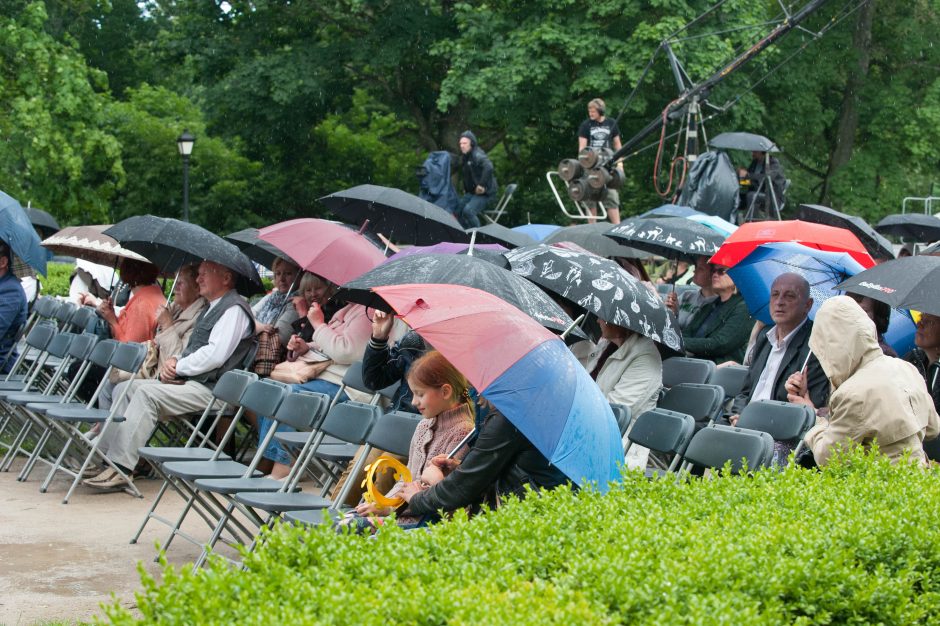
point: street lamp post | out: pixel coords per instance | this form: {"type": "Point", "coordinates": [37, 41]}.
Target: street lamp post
{"type": "Point", "coordinates": [185, 144]}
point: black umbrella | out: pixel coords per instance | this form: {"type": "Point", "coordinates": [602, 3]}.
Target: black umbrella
{"type": "Point", "coordinates": [878, 247]}
{"type": "Point", "coordinates": [907, 283]}
{"type": "Point", "coordinates": [400, 216]}
{"type": "Point", "coordinates": [591, 238]}
{"type": "Point", "coordinates": [170, 244]}
{"type": "Point", "coordinates": [452, 269]}
{"type": "Point", "coordinates": [911, 226]}
{"type": "Point", "coordinates": [599, 286]}
{"type": "Point", "coordinates": [743, 141]}
{"type": "Point", "coordinates": [494, 233]}
{"type": "Point", "coordinates": [669, 237]}
{"type": "Point", "coordinates": [256, 249]}
{"type": "Point", "coordinates": [43, 222]}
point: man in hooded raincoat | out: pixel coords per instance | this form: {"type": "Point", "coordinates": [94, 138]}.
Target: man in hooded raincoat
{"type": "Point", "coordinates": [874, 397]}
{"type": "Point", "coordinates": [479, 181]}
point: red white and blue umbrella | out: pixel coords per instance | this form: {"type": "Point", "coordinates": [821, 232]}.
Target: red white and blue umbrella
{"type": "Point", "coordinates": [524, 370]}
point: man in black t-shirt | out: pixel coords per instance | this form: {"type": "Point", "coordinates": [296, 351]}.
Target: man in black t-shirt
{"type": "Point", "coordinates": [599, 132]}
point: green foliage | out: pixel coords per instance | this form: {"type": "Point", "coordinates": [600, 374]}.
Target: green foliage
{"type": "Point", "coordinates": [56, 283]}
{"type": "Point", "coordinates": [855, 543]}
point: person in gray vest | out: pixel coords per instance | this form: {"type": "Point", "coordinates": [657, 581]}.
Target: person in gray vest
{"type": "Point", "coordinates": [221, 340]}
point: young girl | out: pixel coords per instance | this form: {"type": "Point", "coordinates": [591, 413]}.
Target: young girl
{"type": "Point", "coordinates": [442, 396]}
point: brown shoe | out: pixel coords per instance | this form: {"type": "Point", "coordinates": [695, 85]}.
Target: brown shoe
{"type": "Point", "coordinates": [115, 482]}
{"type": "Point", "coordinates": [107, 474]}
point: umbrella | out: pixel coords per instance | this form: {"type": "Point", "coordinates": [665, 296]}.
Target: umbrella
{"type": "Point", "coordinates": [722, 226]}
{"type": "Point", "coordinates": [823, 270]}
{"type": "Point", "coordinates": [43, 222]}
{"type": "Point", "coordinates": [538, 232]}
{"type": "Point", "coordinates": [400, 216]}
{"type": "Point", "coordinates": [905, 283]}
{"type": "Point", "coordinates": [170, 244]}
{"type": "Point", "coordinates": [668, 237]}
{"type": "Point", "coordinates": [447, 247]}
{"type": "Point", "coordinates": [819, 236]}
{"type": "Point", "coordinates": [911, 226]}
{"type": "Point", "coordinates": [671, 210]}
{"type": "Point", "coordinates": [495, 233]}
{"type": "Point", "coordinates": [90, 244]}
{"type": "Point", "coordinates": [601, 287]}
{"type": "Point", "coordinates": [325, 248]}
{"type": "Point", "coordinates": [457, 270]}
{"type": "Point", "coordinates": [591, 237]}
{"type": "Point", "coordinates": [527, 373]}
{"type": "Point", "coordinates": [254, 248]}
{"type": "Point", "coordinates": [878, 247]}
{"type": "Point", "coordinates": [743, 141]}
{"type": "Point", "coordinates": [17, 231]}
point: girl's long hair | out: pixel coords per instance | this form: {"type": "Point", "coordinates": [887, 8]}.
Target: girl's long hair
{"type": "Point", "coordinates": [433, 371]}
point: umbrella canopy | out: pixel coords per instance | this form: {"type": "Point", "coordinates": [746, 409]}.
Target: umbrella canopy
{"type": "Point", "coordinates": [668, 237]}
{"type": "Point", "coordinates": [538, 232]}
{"type": "Point", "coordinates": [599, 286]}
{"type": "Point", "coordinates": [170, 244]}
{"type": "Point", "coordinates": [591, 238]}
{"type": "Point", "coordinates": [43, 222]}
{"type": "Point", "coordinates": [399, 215]}
{"type": "Point", "coordinates": [743, 141]}
{"type": "Point", "coordinates": [447, 247]}
{"type": "Point", "coordinates": [325, 248]}
{"type": "Point", "coordinates": [722, 226]}
{"type": "Point", "coordinates": [495, 233]}
{"type": "Point", "coordinates": [818, 236]}
{"type": "Point", "coordinates": [906, 283]}
{"type": "Point", "coordinates": [878, 247]}
{"type": "Point", "coordinates": [90, 244]}
{"type": "Point", "coordinates": [671, 210]}
{"type": "Point", "coordinates": [255, 248]}
{"type": "Point", "coordinates": [911, 226]}
{"type": "Point", "coordinates": [528, 374]}
{"type": "Point", "coordinates": [18, 232]}
{"type": "Point", "coordinates": [457, 270]}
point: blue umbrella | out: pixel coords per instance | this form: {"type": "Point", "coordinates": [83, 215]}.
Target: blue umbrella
{"type": "Point", "coordinates": [17, 231]}
{"type": "Point", "coordinates": [536, 231]}
{"type": "Point", "coordinates": [671, 210]}
{"type": "Point", "coordinates": [823, 270]}
{"type": "Point", "coordinates": [524, 370]}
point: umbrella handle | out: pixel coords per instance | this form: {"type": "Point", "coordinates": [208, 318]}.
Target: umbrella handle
{"type": "Point", "coordinates": [573, 325]}
{"type": "Point", "coordinates": [809, 353]}
{"type": "Point", "coordinates": [473, 240]}
{"type": "Point", "coordinates": [462, 443]}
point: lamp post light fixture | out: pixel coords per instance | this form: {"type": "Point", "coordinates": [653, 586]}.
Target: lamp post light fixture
{"type": "Point", "coordinates": [185, 144]}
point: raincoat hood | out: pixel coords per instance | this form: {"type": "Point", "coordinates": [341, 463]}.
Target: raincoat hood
{"type": "Point", "coordinates": [843, 339]}
{"type": "Point", "coordinates": [469, 135]}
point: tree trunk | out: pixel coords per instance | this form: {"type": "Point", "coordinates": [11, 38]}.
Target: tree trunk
{"type": "Point", "coordinates": [844, 140]}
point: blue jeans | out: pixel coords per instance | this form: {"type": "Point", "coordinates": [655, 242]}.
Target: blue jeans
{"type": "Point", "coordinates": [469, 207]}
{"type": "Point", "coordinates": [275, 451]}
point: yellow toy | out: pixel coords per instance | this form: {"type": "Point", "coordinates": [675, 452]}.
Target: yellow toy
{"type": "Point", "coordinates": [383, 464]}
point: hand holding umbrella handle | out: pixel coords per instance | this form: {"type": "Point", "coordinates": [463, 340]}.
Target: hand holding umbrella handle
{"type": "Point", "coordinates": [382, 323]}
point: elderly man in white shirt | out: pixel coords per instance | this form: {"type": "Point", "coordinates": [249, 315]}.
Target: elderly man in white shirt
{"type": "Point", "coordinates": [783, 349]}
{"type": "Point", "coordinates": [220, 341]}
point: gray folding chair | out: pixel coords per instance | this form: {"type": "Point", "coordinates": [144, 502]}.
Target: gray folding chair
{"type": "Point", "coordinates": [198, 447]}
{"type": "Point", "coordinates": [681, 369]}
{"type": "Point", "coordinates": [785, 422]}
{"type": "Point", "coordinates": [63, 316]}
{"type": "Point", "coordinates": [715, 445]}
{"type": "Point", "coordinates": [702, 402]}
{"type": "Point", "coordinates": [496, 212]}
{"type": "Point", "coordinates": [663, 431]}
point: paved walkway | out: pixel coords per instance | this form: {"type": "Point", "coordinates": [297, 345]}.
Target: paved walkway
{"type": "Point", "coordinates": [60, 562]}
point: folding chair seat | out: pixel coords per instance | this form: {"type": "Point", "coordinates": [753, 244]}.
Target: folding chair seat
{"type": "Point", "coordinates": [663, 431]}
{"type": "Point", "coordinates": [702, 402]}
{"type": "Point", "coordinates": [392, 432]}
{"type": "Point", "coordinates": [680, 369]}
{"type": "Point", "coordinates": [783, 421]}
{"type": "Point", "coordinates": [716, 445]}
{"type": "Point", "coordinates": [59, 349]}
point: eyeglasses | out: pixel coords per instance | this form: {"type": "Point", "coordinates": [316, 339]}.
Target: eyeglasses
{"type": "Point", "coordinates": [719, 270]}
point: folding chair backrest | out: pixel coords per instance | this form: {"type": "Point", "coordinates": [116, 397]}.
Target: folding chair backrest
{"type": "Point", "coordinates": [663, 431]}
{"type": "Point", "coordinates": [59, 346]}
{"type": "Point", "coordinates": [680, 369]}
{"type": "Point", "coordinates": [64, 313]}
{"type": "Point", "coordinates": [393, 432]}
{"type": "Point", "coordinates": [702, 402]}
{"type": "Point", "coordinates": [730, 378]}
{"type": "Point", "coordinates": [622, 415]}
{"type": "Point", "coordinates": [389, 392]}
{"type": "Point", "coordinates": [781, 420]}
{"type": "Point", "coordinates": [232, 385]}
{"type": "Point", "coordinates": [82, 345]}
{"type": "Point", "coordinates": [40, 335]}
{"type": "Point", "coordinates": [262, 397]}
{"type": "Point", "coordinates": [103, 351]}
{"type": "Point", "coordinates": [45, 306]}
{"type": "Point", "coordinates": [716, 445]}
{"type": "Point", "coordinates": [129, 357]}
{"type": "Point", "coordinates": [302, 410]}
{"type": "Point", "coordinates": [353, 378]}
{"type": "Point", "coordinates": [351, 421]}
{"type": "Point", "coordinates": [82, 317]}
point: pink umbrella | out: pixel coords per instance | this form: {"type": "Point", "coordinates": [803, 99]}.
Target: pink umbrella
{"type": "Point", "coordinates": [325, 248]}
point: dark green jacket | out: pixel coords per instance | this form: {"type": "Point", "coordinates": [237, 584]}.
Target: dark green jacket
{"type": "Point", "coordinates": [726, 334]}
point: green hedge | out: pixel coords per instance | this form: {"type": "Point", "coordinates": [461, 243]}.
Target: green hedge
{"type": "Point", "coordinates": [56, 283]}
{"type": "Point", "coordinates": [857, 543]}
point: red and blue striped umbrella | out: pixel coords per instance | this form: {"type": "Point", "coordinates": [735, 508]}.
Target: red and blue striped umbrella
{"type": "Point", "coordinates": [523, 369]}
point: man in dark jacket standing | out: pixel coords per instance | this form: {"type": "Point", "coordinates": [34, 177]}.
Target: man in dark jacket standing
{"type": "Point", "coordinates": [479, 181]}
